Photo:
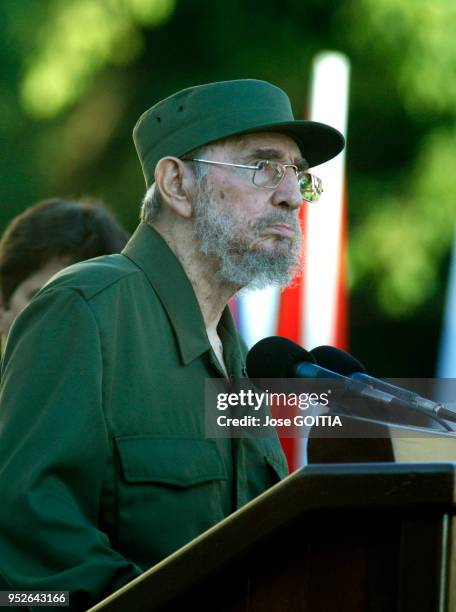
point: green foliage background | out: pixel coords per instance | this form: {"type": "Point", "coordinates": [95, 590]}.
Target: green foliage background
{"type": "Point", "coordinates": [76, 76]}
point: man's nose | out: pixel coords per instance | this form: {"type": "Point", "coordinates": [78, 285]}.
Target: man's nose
{"type": "Point", "coordinates": [288, 193]}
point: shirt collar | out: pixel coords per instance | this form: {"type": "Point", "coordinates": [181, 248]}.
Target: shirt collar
{"type": "Point", "coordinates": [149, 251]}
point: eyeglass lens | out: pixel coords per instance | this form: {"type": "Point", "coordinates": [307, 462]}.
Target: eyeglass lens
{"type": "Point", "coordinates": [270, 174]}
{"type": "Point", "coordinates": [310, 186]}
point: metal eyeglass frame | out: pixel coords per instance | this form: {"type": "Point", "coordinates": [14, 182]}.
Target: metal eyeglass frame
{"type": "Point", "coordinates": [317, 187]}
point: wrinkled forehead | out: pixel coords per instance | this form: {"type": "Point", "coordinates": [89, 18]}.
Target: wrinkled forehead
{"type": "Point", "coordinates": [270, 145]}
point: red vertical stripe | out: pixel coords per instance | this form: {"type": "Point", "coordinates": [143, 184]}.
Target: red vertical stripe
{"type": "Point", "coordinates": [341, 323]}
{"type": "Point", "coordinates": [289, 326]}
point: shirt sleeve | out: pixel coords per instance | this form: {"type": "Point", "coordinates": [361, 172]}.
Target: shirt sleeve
{"type": "Point", "coordinates": [54, 446]}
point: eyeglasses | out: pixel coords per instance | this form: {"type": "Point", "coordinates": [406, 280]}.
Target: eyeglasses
{"type": "Point", "coordinates": [270, 174]}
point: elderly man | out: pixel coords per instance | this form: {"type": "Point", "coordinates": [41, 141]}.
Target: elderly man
{"type": "Point", "coordinates": [104, 465]}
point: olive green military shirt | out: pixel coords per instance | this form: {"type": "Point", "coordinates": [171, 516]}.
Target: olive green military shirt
{"type": "Point", "coordinates": [104, 465]}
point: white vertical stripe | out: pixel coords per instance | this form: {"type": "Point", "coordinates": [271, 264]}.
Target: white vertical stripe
{"type": "Point", "coordinates": [258, 314]}
{"type": "Point", "coordinates": [329, 103]}
{"type": "Point", "coordinates": [447, 358]}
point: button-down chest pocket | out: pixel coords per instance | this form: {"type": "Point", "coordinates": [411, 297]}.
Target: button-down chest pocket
{"type": "Point", "coordinates": [169, 491]}
{"type": "Point", "coordinates": [174, 461]}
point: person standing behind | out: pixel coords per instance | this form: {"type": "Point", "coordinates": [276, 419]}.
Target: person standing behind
{"type": "Point", "coordinates": [46, 238]}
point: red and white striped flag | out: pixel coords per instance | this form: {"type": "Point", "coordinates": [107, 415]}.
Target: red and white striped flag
{"type": "Point", "coordinates": [318, 304]}
{"type": "Point", "coordinates": [313, 311]}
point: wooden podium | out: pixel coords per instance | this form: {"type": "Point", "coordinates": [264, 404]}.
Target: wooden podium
{"type": "Point", "coordinates": [372, 537]}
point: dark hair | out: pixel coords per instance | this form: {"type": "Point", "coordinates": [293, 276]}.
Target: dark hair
{"type": "Point", "coordinates": [55, 228]}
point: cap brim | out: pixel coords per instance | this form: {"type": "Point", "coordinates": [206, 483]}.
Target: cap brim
{"type": "Point", "coordinates": [317, 142]}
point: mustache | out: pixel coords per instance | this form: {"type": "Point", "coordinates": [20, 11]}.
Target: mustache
{"type": "Point", "coordinates": [276, 218]}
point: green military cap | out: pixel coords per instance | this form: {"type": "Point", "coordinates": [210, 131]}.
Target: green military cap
{"type": "Point", "coordinates": [199, 115]}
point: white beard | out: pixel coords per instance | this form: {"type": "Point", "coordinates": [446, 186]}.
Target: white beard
{"type": "Point", "coordinates": [240, 263]}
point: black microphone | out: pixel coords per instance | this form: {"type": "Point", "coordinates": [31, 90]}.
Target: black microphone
{"type": "Point", "coordinates": [342, 362]}
{"type": "Point", "coordinates": [277, 357]}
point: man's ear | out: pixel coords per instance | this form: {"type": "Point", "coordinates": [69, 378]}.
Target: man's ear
{"type": "Point", "coordinates": [176, 184]}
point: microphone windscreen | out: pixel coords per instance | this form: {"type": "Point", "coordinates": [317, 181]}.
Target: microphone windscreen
{"type": "Point", "coordinates": [335, 359]}
{"type": "Point", "coordinates": [274, 357]}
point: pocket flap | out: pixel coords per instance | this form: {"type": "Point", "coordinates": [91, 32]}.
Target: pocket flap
{"type": "Point", "coordinates": [178, 461]}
